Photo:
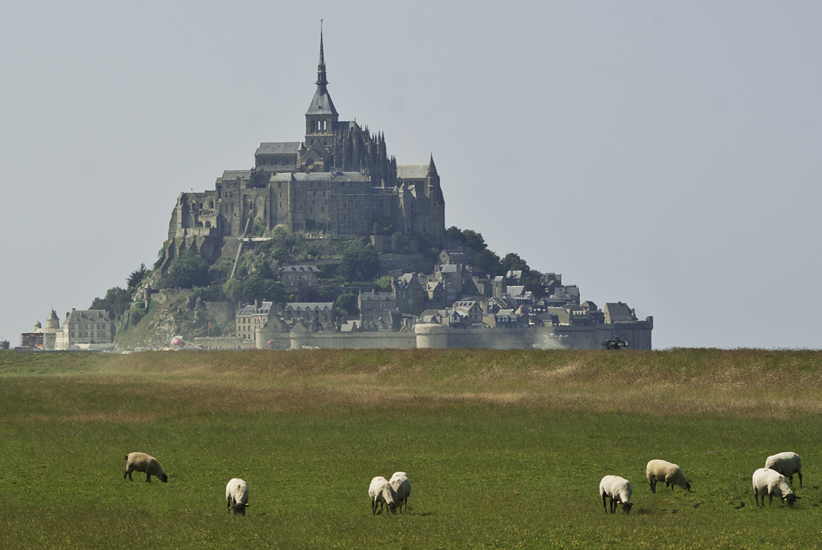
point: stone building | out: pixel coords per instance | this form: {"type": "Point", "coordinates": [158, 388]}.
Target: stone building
{"type": "Point", "coordinates": [296, 276]}
{"type": "Point", "coordinates": [337, 181]}
{"type": "Point", "coordinates": [249, 317]}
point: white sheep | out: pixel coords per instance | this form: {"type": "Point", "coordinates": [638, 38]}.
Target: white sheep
{"type": "Point", "coordinates": [141, 462]}
{"type": "Point", "coordinates": [236, 496]}
{"type": "Point", "coordinates": [402, 486]}
{"type": "Point", "coordinates": [671, 474]}
{"type": "Point", "coordinates": [770, 482]}
{"type": "Point", "coordinates": [786, 464]}
{"type": "Point", "coordinates": [381, 492]}
{"type": "Point", "coordinates": [619, 490]}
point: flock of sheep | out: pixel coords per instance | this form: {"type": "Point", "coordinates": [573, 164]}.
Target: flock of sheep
{"type": "Point", "coordinates": [769, 481]}
{"type": "Point", "coordinates": [393, 493]}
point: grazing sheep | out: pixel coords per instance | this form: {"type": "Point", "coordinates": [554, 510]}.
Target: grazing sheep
{"type": "Point", "coordinates": [786, 464]}
{"type": "Point", "coordinates": [619, 490]}
{"type": "Point", "coordinates": [402, 486]}
{"type": "Point", "coordinates": [236, 496]}
{"type": "Point", "coordinates": [770, 482]}
{"type": "Point", "coordinates": [141, 462]}
{"type": "Point", "coordinates": [671, 474]}
{"type": "Point", "coordinates": [381, 492]}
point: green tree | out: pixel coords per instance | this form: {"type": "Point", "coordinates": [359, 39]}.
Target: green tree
{"type": "Point", "coordinates": [187, 270]}
{"type": "Point", "coordinates": [512, 262]}
{"type": "Point", "coordinates": [454, 233]}
{"type": "Point", "coordinates": [116, 301]}
{"type": "Point", "coordinates": [347, 303]}
{"type": "Point", "coordinates": [474, 240]}
{"type": "Point", "coordinates": [384, 283]}
{"type": "Point", "coordinates": [360, 262]}
{"type": "Point", "coordinates": [136, 277]}
{"type": "Point", "coordinates": [488, 261]}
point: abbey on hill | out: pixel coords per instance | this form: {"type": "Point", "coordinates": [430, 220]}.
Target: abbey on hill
{"type": "Point", "coordinates": [337, 182]}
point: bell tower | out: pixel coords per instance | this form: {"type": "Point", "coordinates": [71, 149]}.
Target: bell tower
{"type": "Point", "coordinates": [321, 117]}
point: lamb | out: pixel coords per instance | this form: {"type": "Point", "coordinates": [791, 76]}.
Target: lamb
{"type": "Point", "coordinates": [619, 490]}
{"type": "Point", "coordinates": [381, 492]}
{"type": "Point", "coordinates": [236, 496]}
{"type": "Point", "coordinates": [786, 464]}
{"type": "Point", "coordinates": [770, 482]}
{"type": "Point", "coordinates": [671, 474]}
{"type": "Point", "coordinates": [141, 462]}
{"type": "Point", "coordinates": [402, 486]}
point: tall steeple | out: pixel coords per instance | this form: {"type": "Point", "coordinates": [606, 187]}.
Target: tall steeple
{"type": "Point", "coordinates": [321, 117]}
{"type": "Point", "coordinates": [322, 81]}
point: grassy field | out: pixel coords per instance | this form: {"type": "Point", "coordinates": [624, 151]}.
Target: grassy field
{"type": "Point", "coordinates": [505, 449]}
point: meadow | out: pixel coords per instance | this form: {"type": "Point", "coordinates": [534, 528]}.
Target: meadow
{"type": "Point", "coordinates": [504, 449]}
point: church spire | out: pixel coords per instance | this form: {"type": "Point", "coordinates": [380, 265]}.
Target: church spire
{"type": "Point", "coordinates": [322, 81]}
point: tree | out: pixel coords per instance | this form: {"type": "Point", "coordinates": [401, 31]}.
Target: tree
{"type": "Point", "coordinates": [348, 303]}
{"type": "Point", "coordinates": [474, 240]}
{"type": "Point", "coordinates": [454, 233]}
{"type": "Point", "coordinates": [488, 261]}
{"type": "Point", "coordinates": [187, 270]}
{"type": "Point", "coordinates": [512, 262]}
{"type": "Point", "coordinates": [360, 263]}
{"type": "Point", "coordinates": [384, 283]}
{"type": "Point", "coordinates": [136, 277]}
{"type": "Point", "coordinates": [253, 288]}
{"type": "Point", "coordinates": [116, 301]}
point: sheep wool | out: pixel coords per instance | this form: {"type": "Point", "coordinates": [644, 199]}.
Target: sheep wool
{"type": "Point", "coordinates": [662, 470]}
{"type": "Point", "coordinates": [381, 493]}
{"type": "Point", "coordinates": [770, 482]}
{"type": "Point", "coordinates": [618, 489]}
{"type": "Point", "coordinates": [402, 486]}
{"type": "Point", "coordinates": [141, 462]}
{"type": "Point", "coordinates": [787, 464]}
{"type": "Point", "coordinates": [236, 496]}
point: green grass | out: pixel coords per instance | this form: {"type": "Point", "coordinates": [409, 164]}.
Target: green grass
{"type": "Point", "coordinates": [504, 449]}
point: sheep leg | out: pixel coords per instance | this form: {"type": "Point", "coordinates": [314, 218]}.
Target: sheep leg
{"type": "Point", "coordinates": [148, 478]}
{"type": "Point", "coordinates": [604, 506]}
{"type": "Point", "coordinates": [800, 478]}
{"type": "Point", "coordinates": [652, 481]}
{"type": "Point", "coordinates": [127, 473]}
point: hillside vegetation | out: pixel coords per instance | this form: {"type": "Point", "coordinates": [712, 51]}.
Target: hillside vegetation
{"type": "Point", "coordinates": [504, 449]}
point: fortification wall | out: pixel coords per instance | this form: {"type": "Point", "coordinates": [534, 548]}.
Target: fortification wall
{"type": "Point", "coordinates": [354, 340]}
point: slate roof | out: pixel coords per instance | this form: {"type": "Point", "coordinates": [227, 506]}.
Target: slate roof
{"type": "Point", "coordinates": [251, 310]}
{"type": "Point", "coordinates": [301, 268]}
{"type": "Point", "coordinates": [412, 171]}
{"type": "Point", "coordinates": [302, 306]}
{"type": "Point", "coordinates": [280, 147]}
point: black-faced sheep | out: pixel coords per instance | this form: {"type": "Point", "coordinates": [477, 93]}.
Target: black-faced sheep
{"type": "Point", "coordinates": [141, 462]}
{"type": "Point", "coordinates": [662, 470]}
{"type": "Point", "coordinates": [618, 489]}
{"type": "Point", "coordinates": [786, 464]}
{"type": "Point", "coordinates": [236, 496]}
{"type": "Point", "coordinates": [402, 487]}
{"type": "Point", "coordinates": [770, 482]}
{"type": "Point", "coordinates": [381, 493]}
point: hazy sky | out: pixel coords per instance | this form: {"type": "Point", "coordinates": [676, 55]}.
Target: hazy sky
{"type": "Point", "coordinates": [663, 154]}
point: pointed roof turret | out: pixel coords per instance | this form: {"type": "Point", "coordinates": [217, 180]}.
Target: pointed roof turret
{"type": "Point", "coordinates": [321, 104]}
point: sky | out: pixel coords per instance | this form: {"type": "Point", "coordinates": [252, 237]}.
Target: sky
{"type": "Point", "coordinates": [663, 154]}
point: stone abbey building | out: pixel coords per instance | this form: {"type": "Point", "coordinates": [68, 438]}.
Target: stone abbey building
{"type": "Point", "coordinates": [337, 182]}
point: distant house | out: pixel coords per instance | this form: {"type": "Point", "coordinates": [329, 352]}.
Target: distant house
{"type": "Point", "coordinates": [85, 328]}
{"type": "Point", "coordinates": [378, 310]}
{"type": "Point", "coordinates": [251, 316]}
{"type": "Point", "coordinates": [463, 256]}
{"type": "Point", "coordinates": [309, 312]}
{"type": "Point", "coordinates": [295, 276]}
{"type": "Point", "coordinates": [470, 309]}
{"type": "Point", "coordinates": [409, 295]}
{"type": "Point", "coordinates": [619, 311]}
